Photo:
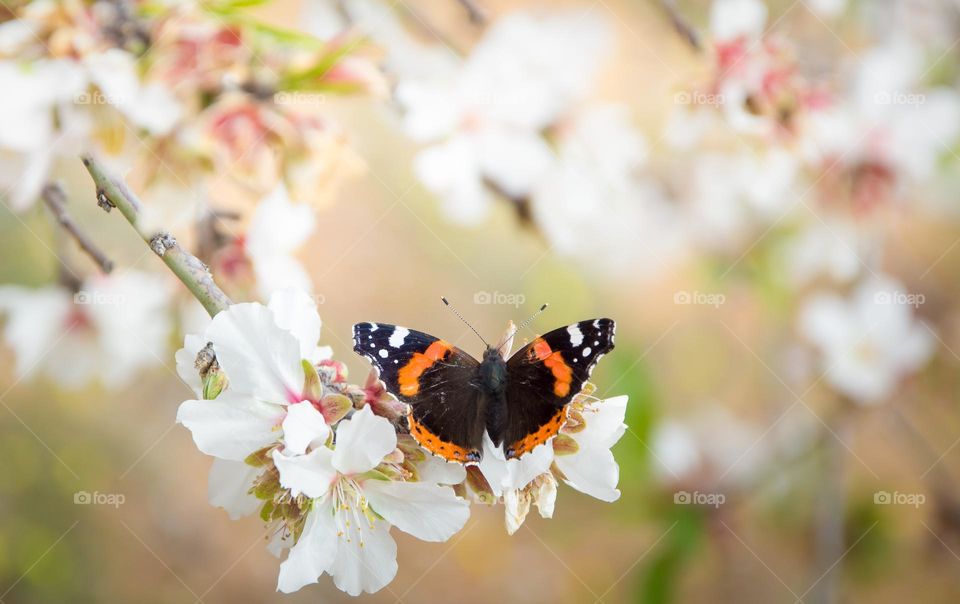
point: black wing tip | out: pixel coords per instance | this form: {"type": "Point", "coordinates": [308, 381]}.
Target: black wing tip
{"type": "Point", "coordinates": [358, 330]}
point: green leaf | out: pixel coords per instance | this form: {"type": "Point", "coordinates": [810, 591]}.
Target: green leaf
{"type": "Point", "coordinates": [301, 80]}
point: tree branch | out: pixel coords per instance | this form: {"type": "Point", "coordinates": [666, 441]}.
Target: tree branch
{"type": "Point", "coordinates": [56, 200]}
{"type": "Point", "coordinates": [476, 14]}
{"type": "Point", "coordinates": [681, 25]}
{"type": "Point", "coordinates": [114, 193]}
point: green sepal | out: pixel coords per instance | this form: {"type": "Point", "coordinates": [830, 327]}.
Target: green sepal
{"type": "Point", "coordinates": [312, 388]}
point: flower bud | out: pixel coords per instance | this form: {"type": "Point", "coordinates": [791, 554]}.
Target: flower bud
{"type": "Point", "coordinates": [332, 372]}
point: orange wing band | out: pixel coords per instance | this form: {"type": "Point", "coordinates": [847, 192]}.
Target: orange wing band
{"type": "Point", "coordinates": [562, 373]}
{"type": "Point", "coordinates": [439, 447]}
{"type": "Point", "coordinates": [409, 375]}
{"type": "Point", "coordinates": [545, 433]}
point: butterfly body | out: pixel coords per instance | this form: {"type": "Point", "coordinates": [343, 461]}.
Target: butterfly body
{"type": "Point", "coordinates": [492, 376]}
{"type": "Point", "coordinates": [454, 399]}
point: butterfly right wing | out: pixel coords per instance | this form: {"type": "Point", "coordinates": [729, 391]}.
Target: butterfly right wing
{"type": "Point", "coordinates": [437, 380]}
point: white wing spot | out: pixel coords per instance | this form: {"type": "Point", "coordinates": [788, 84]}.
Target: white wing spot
{"type": "Point", "coordinates": [587, 351]}
{"type": "Point", "coordinates": [576, 336]}
{"type": "Point", "coordinates": [374, 327]}
{"type": "Point", "coordinates": [395, 361]}
{"type": "Point", "coordinates": [372, 345]}
{"type": "Point", "coordinates": [398, 336]}
{"type": "Point", "coordinates": [383, 353]}
{"type": "Point", "coordinates": [596, 324]}
{"type": "Point", "coordinates": [596, 342]}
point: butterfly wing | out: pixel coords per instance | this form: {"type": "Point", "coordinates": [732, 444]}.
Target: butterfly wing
{"type": "Point", "coordinates": [545, 375]}
{"type": "Point", "coordinates": [437, 380]}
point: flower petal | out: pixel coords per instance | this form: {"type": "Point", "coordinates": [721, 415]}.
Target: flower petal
{"type": "Point", "coordinates": [186, 359]}
{"type": "Point", "coordinates": [260, 358]}
{"type": "Point", "coordinates": [231, 426]}
{"type": "Point", "coordinates": [516, 506]}
{"type": "Point", "coordinates": [521, 471]}
{"type": "Point", "coordinates": [493, 465]}
{"type": "Point", "coordinates": [314, 552]}
{"type": "Point", "coordinates": [310, 474]}
{"type": "Point", "coordinates": [367, 561]}
{"type": "Point", "coordinates": [228, 486]}
{"type": "Point", "coordinates": [362, 442]}
{"type": "Point", "coordinates": [593, 470]}
{"type": "Point", "coordinates": [304, 426]}
{"type": "Point", "coordinates": [296, 312]}
{"type": "Point", "coordinates": [426, 511]}
{"type": "Point", "coordinates": [435, 470]}
{"type": "Point", "coordinates": [604, 426]}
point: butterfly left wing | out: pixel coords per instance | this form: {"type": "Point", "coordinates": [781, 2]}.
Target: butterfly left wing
{"type": "Point", "coordinates": [545, 375]}
{"type": "Point", "coordinates": [436, 379]}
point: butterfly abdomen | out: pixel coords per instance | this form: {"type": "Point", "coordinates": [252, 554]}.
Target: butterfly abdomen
{"type": "Point", "coordinates": [493, 387]}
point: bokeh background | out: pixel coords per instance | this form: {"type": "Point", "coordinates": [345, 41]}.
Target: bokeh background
{"type": "Point", "coordinates": [752, 469]}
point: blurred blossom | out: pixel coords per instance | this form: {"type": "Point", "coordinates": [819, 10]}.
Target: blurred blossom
{"type": "Point", "coordinates": [889, 131]}
{"type": "Point", "coordinates": [407, 57]}
{"type": "Point", "coordinates": [708, 445]}
{"type": "Point", "coordinates": [729, 195]}
{"type": "Point", "coordinates": [107, 331]}
{"type": "Point", "coordinates": [64, 93]}
{"type": "Point", "coordinates": [870, 341]}
{"type": "Point", "coordinates": [485, 121]}
{"type": "Point", "coordinates": [597, 202]}
{"type": "Point", "coordinates": [265, 254]}
{"type": "Point", "coordinates": [826, 249]}
{"type": "Point", "coordinates": [714, 445]}
{"type": "Point", "coordinates": [732, 20]}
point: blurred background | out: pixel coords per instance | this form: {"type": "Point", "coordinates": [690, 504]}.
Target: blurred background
{"type": "Point", "coordinates": [762, 194]}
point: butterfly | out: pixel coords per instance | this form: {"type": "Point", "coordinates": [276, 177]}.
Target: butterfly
{"type": "Point", "coordinates": [454, 398]}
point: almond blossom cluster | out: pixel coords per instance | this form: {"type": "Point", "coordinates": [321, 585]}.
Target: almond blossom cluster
{"type": "Point", "coordinates": [178, 98]}
{"type": "Point", "coordinates": [330, 465]}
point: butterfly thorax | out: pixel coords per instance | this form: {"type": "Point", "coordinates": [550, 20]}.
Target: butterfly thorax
{"type": "Point", "coordinates": [493, 388]}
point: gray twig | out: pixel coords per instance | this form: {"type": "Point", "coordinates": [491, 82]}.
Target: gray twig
{"type": "Point", "coordinates": [114, 193]}
{"type": "Point", "coordinates": [56, 201]}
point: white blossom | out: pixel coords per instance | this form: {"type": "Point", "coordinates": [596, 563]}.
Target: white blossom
{"type": "Point", "coordinates": [869, 341]}
{"type": "Point", "coordinates": [111, 329]}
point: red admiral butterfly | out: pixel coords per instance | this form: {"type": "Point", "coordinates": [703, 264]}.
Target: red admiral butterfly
{"type": "Point", "coordinates": [521, 402]}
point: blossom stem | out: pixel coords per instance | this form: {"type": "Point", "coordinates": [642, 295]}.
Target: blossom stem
{"type": "Point", "coordinates": [114, 193]}
{"type": "Point", "coordinates": [56, 201]}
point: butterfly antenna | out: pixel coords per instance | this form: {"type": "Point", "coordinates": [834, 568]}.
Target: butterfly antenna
{"type": "Point", "coordinates": [524, 324]}
{"type": "Point", "coordinates": [459, 316]}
